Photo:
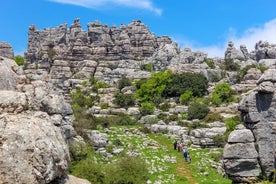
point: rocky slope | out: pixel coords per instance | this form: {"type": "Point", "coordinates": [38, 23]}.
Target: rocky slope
{"type": "Point", "coordinates": [35, 118]}
{"type": "Point", "coordinates": [35, 125]}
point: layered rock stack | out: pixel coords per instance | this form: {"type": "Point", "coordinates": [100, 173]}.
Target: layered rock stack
{"type": "Point", "coordinates": [100, 42]}
{"type": "Point", "coordinates": [35, 125]}
{"type": "Point", "coordinates": [251, 150]}
{"type": "Point", "coordinates": [6, 50]}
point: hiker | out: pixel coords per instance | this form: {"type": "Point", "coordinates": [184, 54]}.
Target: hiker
{"type": "Point", "coordinates": [180, 147]}
{"type": "Point", "coordinates": [174, 144]}
{"type": "Point", "coordinates": [184, 152]}
{"type": "Point", "coordinates": [189, 157]}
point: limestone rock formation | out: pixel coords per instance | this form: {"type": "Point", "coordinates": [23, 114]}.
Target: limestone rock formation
{"type": "Point", "coordinates": [233, 53]}
{"type": "Point", "coordinates": [259, 145]}
{"type": "Point", "coordinates": [35, 123]}
{"type": "Point", "coordinates": [6, 50]}
{"type": "Point", "coordinates": [33, 149]}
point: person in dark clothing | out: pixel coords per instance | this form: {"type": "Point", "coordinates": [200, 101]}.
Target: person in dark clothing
{"type": "Point", "coordinates": [174, 144]}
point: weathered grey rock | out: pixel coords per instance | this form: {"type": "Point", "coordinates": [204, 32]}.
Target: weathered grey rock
{"type": "Point", "coordinates": [69, 179]}
{"type": "Point", "coordinates": [204, 136]}
{"type": "Point", "coordinates": [240, 151]}
{"type": "Point", "coordinates": [98, 140]}
{"type": "Point", "coordinates": [32, 150]}
{"type": "Point", "coordinates": [259, 116]}
{"type": "Point", "coordinates": [233, 53]}
{"type": "Point", "coordinates": [242, 170]}
{"type": "Point", "coordinates": [9, 74]}
{"type": "Point", "coordinates": [270, 63]}
{"type": "Point", "coordinates": [252, 74]}
{"type": "Point", "coordinates": [149, 119]}
{"type": "Point", "coordinates": [241, 136]}
{"type": "Point", "coordinates": [12, 102]}
{"type": "Point", "coordinates": [6, 50]}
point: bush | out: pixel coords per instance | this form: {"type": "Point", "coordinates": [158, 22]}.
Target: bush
{"type": "Point", "coordinates": [186, 97]}
{"type": "Point", "coordinates": [124, 82]}
{"type": "Point", "coordinates": [164, 106]}
{"type": "Point", "coordinates": [231, 123]}
{"type": "Point", "coordinates": [220, 140]}
{"type": "Point", "coordinates": [230, 65]}
{"type": "Point", "coordinates": [209, 62]}
{"type": "Point", "coordinates": [127, 170]}
{"type": "Point", "coordinates": [147, 108]}
{"type": "Point", "coordinates": [212, 117]}
{"type": "Point", "coordinates": [99, 85]}
{"type": "Point", "coordinates": [104, 105]}
{"type": "Point", "coordinates": [89, 170]}
{"type": "Point", "coordinates": [124, 100]}
{"type": "Point", "coordinates": [19, 60]}
{"type": "Point", "coordinates": [180, 83]}
{"type": "Point", "coordinates": [152, 89]}
{"type": "Point", "coordinates": [197, 110]}
{"type": "Point", "coordinates": [222, 93]}
{"type": "Point", "coordinates": [147, 67]}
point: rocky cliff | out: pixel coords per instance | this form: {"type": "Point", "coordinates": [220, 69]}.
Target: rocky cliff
{"type": "Point", "coordinates": [35, 125]}
{"type": "Point", "coordinates": [251, 150]}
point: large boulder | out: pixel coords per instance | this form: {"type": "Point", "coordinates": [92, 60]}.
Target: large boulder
{"type": "Point", "coordinates": [254, 147]}
{"type": "Point", "coordinates": [6, 50]}
{"type": "Point", "coordinates": [33, 150]}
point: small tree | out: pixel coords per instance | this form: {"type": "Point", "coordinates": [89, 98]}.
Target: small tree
{"type": "Point", "coordinates": [147, 108]}
{"type": "Point", "coordinates": [222, 93]}
{"type": "Point", "coordinates": [230, 65]}
{"type": "Point", "coordinates": [197, 110]}
{"type": "Point", "coordinates": [124, 100]}
{"type": "Point", "coordinates": [19, 60]}
{"type": "Point", "coordinates": [124, 82]}
{"type": "Point", "coordinates": [186, 97]}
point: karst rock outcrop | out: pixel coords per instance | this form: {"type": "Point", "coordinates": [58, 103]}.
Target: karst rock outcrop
{"type": "Point", "coordinates": [251, 149]}
{"type": "Point", "coordinates": [6, 50]}
{"type": "Point", "coordinates": [35, 125]}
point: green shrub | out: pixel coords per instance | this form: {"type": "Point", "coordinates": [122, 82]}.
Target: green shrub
{"type": "Point", "coordinates": [209, 62]}
{"type": "Point", "coordinates": [104, 105]}
{"type": "Point", "coordinates": [51, 53]}
{"type": "Point", "coordinates": [216, 156]}
{"type": "Point", "coordinates": [242, 72]}
{"type": "Point", "coordinates": [128, 170]}
{"type": "Point", "coordinates": [147, 67]}
{"type": "Point", "coordinates": [147, 108]}
{"type": "Point", "coordinates": [186, 97]}
{"type": "Point", "coordinates": [180, 83]}
{"type": "Point", "coordinates": [89, 170]}
{"type": "Point", "coordinates": [222, 93]}
{"type": "Point", "coordinates": [231, 123]}
{"type": "Point", "coordinates": [165, 106]}
{"type": "Point", "coordinates": [173, 117]}
{"type": "Point", "coordinates": [230, 65]}
{"type": "Point", "coordinates": [220, 140]}
{"type": "Point", "coordinates": [212, 117]}
{"type": "Point", "coordinates": [99, 85]}
{"type": "Point", "coordinates": [124, 82]}
{"type": "Point", "coordinates": [124, 100]}
{"type": "Point", "coordinates": [197, 110]}
{"type": "Point", "coordinates": [152, 89]}
{"type": "Point", "coordinates": [19, 60]}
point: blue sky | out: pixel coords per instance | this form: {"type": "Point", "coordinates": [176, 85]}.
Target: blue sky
{"type": "Point", "coordinates": [205, 25]}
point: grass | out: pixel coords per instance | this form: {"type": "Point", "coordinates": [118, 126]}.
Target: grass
{"type": "Point", "coordinates": [165, 165]}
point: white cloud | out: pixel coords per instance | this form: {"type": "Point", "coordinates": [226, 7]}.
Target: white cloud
{"type": "Point", "coordinates": [141, 4]}
{"type": "Point", "coordinates": [249, 38]}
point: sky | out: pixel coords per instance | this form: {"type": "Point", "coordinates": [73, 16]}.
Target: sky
{"type": "Point", "coordinates": [202, 25]}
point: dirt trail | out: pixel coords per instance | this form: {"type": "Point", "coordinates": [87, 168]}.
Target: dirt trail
{"type": "Point", "coordinates": [182, 168]}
